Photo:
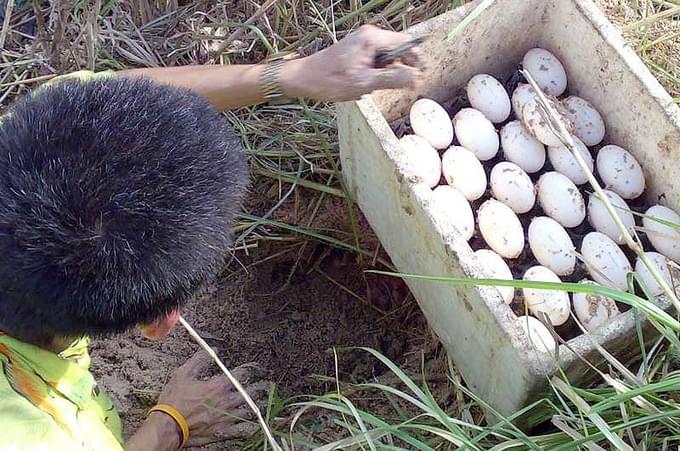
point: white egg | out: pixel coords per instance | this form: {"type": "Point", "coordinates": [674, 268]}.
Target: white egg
{"type": "Point", "coordinates": [551, 245]}
{"type": "Point", "coordinates": [664, 238]}
{"type": "Point", "coordinates": [539, 335]}
{"type": "Point", "coordinates": [430, 120]}
{"type": "Point", "coordinates": [488, 95]}
{"type": "Point", "coordinates": [546, 70]}
{"type": "Point", "coordinates": [501, 229]}
{"type": "Point", "coordinates": [476, 133]}
{"type": "Point", "coordinates": [605, 261]}
{"type": "Point", "coordinates": [601, 220]}
{"type": "Point", "coordinates": [553, 303]}
{"type": "Point", "coordinates": [520, 147]}
{"type": "Point", "coordinates": [565, 162]}
{"type": "Point", "coordinates": [522, 94]}
{"type": "Point", "coordinates": [534, 122]}
{"type": "Point", "coordinates": [593, 310]}
{"type": "Point", "coordinates": [455, 208]}
{"type": "Point", "coordinates": [494, 267]}
{"type": "Point", "coordinates": [661, 264]}
{"type": "Point", "coordinates": [512, 186]}
{"type": "Point", "coordinates": [588, 123]}
{"type": "Point", "coordinates": [463, 171]}
{"type": "Point", "coordinates": [561, 199]}
{"type": "Point", "coordinates": [620, 171]}
{"type": "Point", "coordinates": [422, 160]}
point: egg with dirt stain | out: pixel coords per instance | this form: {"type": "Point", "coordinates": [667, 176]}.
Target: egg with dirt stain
{"type": "Point", "coordinates": [620, 171]}
{"type": "Point", "coordinates": [605, 261]}
{"type": "Point", "coordinates": [533, 121]}
{"type": "Point", "coordinates": [455, 210]}
{"type": "Point", "coordinates": [494, 267]}
{"type": "Point", "coordinates": [564, 161]}
{"type": "Point", "coordinates": [521, 148]}
{"type": "Point", "coordinates": [588, 123]}
{"type": "Point", "coordinates": [476, 133]}
{"type": "Point", "coordinates": [552, 246]}
{"type": "Point", "coordinates": [560, 199]}
{"type": "Point", "coordinates": [512, 186]}
{"type": "Point", "coordinates": [554, 303]}
{"type": "Point", "coordinates": [593, 310]}
{"type": "Point", "coordinates": [430, 121]}
{"type": "Point", "coordinates": [546, 70]}
{"type": "Point", "coordinates": [664, 238]}
{"type": "Point", "coordinates": [659, 263]}
{"type": "Point", "coordinates": [602, 221]}
{"type": "Point", "coordinates": [520, 96]}
{"type": "Point", "coordinates": [501, 229]}
{"type": "Point", "coordinates": [539, 335]}
{"type": "Point", "coordinates": [422, 160]}
{"type": "Point", "coordinates": [463, 171]}
{"type": "Point", "coordinates": [488, 95]}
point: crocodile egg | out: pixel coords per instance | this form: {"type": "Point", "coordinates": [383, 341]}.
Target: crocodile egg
{"type": "Point", "coordinates": [520, 147]}
{"type": "Point", "coordinates": [463, 171]}
{"type": "Point", "coordinates": [501, 229]}
{"type": "Point", "coordinates": [488, 95]}
{"type": "Point", "coordinates": [601, 220]}
{"type": "Point", "coordinates": [561, 199]}
{"type": "Point", "coordinates": [661, 264]}
{"type": "Point", "coordinates": [455, 208]}
{"type": "Point", "coordinates": [565, 163]}
{"type": "Point", "coordinates": [539, 335]}
{"type": "Point", "coordinates": [593, 310]}
{"type": "Point", "coordinates": [430, 120]}
{"type": "Point", "coordinates": [536, 125]}
{"type": "Point", "coordinates": [512, 186]}
{"type": "Point", "coordinates": [665, 239]}
{"type": "Point", "coordinates": [422, 160]}
{"type": "Point", "coordinates": [551, 245]}
{"type": "Point", "coordinates": [522, 94]}
{"type": "Point", "coordinates": [605, 261]}
{"type": "Point", "coordinates": [476, 133]}
{"type": "Point", "coordinates": [588, 123]}
{"type": "Point", "coordinates": [554, 303]}
{"type": "Point", "coordinates": [546, 70]}
{"type": "Point", "coordinates": [620, 171]}
{"type": "Point", "coordinates": [494, 267]}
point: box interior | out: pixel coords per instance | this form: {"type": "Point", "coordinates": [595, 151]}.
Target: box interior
{"type": "Point", "coordinates": [620, 88]}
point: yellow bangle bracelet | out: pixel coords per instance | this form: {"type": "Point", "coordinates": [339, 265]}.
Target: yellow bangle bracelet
{"type": "Point", "coordinates": [179, 419]}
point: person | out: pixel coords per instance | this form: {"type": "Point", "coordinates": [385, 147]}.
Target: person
{"type": "Point", "coordinates": [117, 196]}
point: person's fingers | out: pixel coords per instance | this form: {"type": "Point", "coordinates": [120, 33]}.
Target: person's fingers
{"type": "Point", "coordinates": [382, 39]}
{"type": "Point", "coordinates": [224, 431]}
{"type": "Point", "coordinates": [395, 76]}
{"type": "Point", "coordinates": [413, 58]}
{"type": "Point", "coordinates": [195, 365]}
{"type": "Point", "coordinates": [248, 372]}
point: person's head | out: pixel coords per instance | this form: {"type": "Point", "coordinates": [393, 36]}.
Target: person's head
{"type": "Point", "coordinates": [117, 197]}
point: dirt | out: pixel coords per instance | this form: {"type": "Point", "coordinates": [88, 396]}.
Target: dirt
{"type": "Point", "coordinates": [250, 314]}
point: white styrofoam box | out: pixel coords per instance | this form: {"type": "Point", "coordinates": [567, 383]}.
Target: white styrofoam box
{"type": "Point", "coordinates": [479, 331]}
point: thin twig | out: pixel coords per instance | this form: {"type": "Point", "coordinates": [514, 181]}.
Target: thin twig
{"type": "Point", "coordinates": [206, 347]}
{"type": "Point", "coordinates": [558, 127]}
{"type": "Point", "coordinates": [5, 24]}
{"type": "Point", "coordinates": [259, 13]}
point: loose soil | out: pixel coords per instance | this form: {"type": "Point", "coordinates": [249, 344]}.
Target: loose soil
{"type": "Point", "coordinates": [251, 314]}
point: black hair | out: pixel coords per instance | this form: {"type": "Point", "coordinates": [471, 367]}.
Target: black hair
{"type": "Point", "coordinates": [117, 196]}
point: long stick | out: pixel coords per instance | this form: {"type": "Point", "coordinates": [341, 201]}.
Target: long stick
{"type": "Point", "coordinates": [558, 127]}
{"type": "Point", "coordinates": [206, 347]}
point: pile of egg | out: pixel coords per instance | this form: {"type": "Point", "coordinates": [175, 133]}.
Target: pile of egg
{"type": "Point", "coordinates": [554, 203]}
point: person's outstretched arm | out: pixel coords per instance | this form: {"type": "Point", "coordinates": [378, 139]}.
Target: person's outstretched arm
{"type": "Point", "coordinates": [343, 71]}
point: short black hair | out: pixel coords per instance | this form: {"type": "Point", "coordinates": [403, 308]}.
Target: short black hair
{"type": "Point", "coordinates": [117, 196]}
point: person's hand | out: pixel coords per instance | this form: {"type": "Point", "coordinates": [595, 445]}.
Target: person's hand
{"type": "Point", "coordinates": [345, 71]}
{"type": "Point", "coordinates": [212, 407]}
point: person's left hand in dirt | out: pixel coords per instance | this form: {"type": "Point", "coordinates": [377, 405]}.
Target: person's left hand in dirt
{"type": "Point", "coordinates": [212, 407]}
{"type": "Point", "coordinates": [343, 71]}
